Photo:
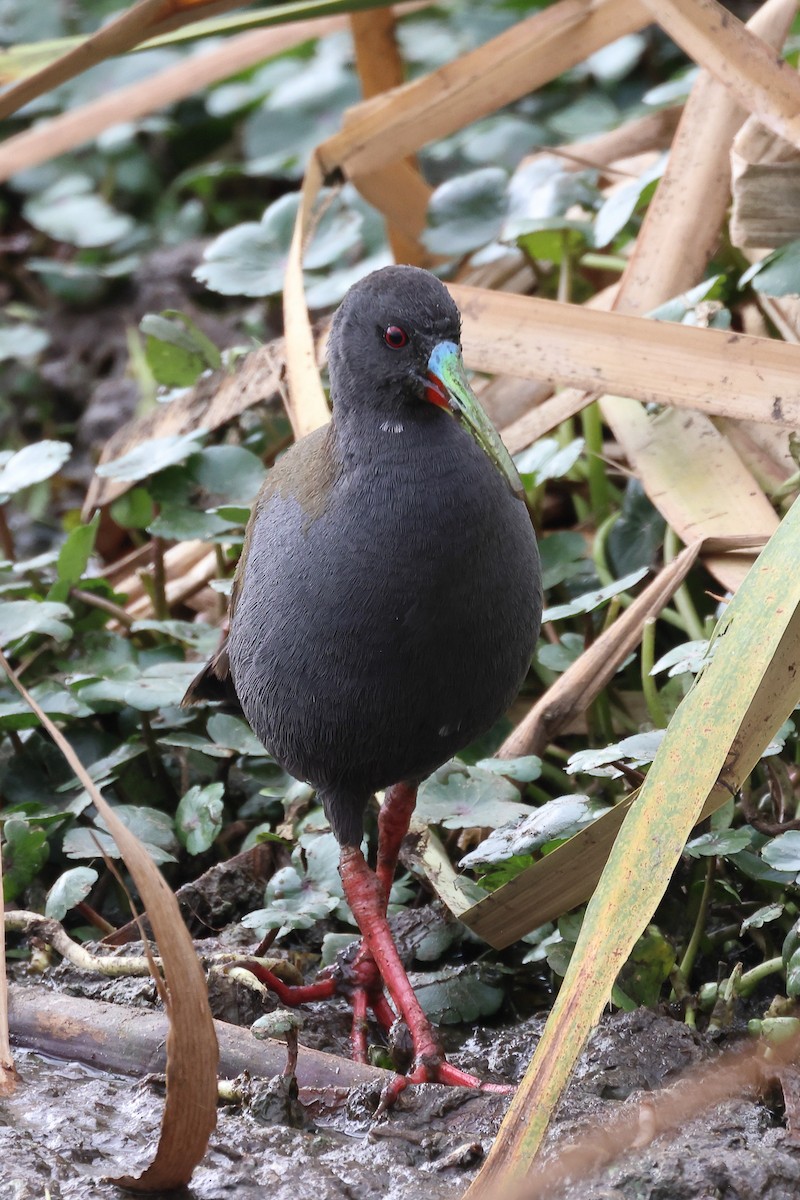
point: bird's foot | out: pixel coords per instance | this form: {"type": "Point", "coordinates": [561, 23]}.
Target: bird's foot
{"type": "Point", "coordinates": [357, 980]}
{"type": "Point", "coordinates": [438, 1070]}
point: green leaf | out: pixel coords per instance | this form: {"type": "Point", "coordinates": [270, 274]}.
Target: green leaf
{"type": "Point", "coordinates": [762, 916]}
{"type": "Point", "coordinates": [22, 341]}
{"type": "Point", "coordinates": [234, 514]}
{"type": "Point", "coordinates": [558, 656]}
{"type": "Point", "coordinates": [564, 556]}
{"type": "Point", "coordinates": [301, 110]}
{"type": "Point", "coordinates": [134, 510]}
{"type": "Point", "coordinates": [552, 239]}
{"type": "Point", "coordinates": [71, 211]}
{"type": "Point", "coordinates": [458, 995]}
{"type": "Point", "coordinates": [322, 854]}
{"type": "Point", "coordinates": [157, 686]}
{"type": "Point", "coordinates": [636, 536]}
{"type": "Point", "coordinates": [332, 946]}
{"type": "Point", "coordinates": [722, 842]}
{"type": "Point", "coordinates": [195, 741]}
{"type": "Point", "coordinates": [558, 818]}
{"type": "Point", "coordinates": [202, 638]}
{"type": "Point", "coordinates": [153, 829]}
{"type": "Point", "coordinates": [18, 618]}
{"type": "Point", "coordinates": [466, 212]}
{"type": "Point", "coordinates": [587, 114]}
{"type": "Point", "coordinates": [31, 465]}
{"type": "Point", "coordinates": [152, 456]}
{"type": "Point", "coordinates": [783, 852]}
{"type": "Point", "coordinates": [622, 203]}
{"type": "Point", "coordinates": [198, 819]}
{"type": "Point", "coordinates": [229, 473]}
{"type": "Point", "coordinates": [250, 259]}
{"type": "Point", "coordinates": [179, 524]}
{"type": "Point", "coordinates": [25, 851]}
{"type": "Point", "coordinates": [235, 734]}
{"type": "Point", "coordinates": [636, 751]}
{"type": "Point", "coordinates": [651, 961]}
{"type": "Point", "coordinates": [681, 306]}
{"type": "Point", "coordinates": [525, 769]}
{"type": "Point", "coordinates": [589, 601]}
{"type": "Point", "coordinates": [611, 63]}
{"type": "Point", "coordinates": [69, 889]}
{"type": "Point", "coordinates": [793, 976]}
{"type": "Point", "coordinates": [73, 557]}
{"type": "Point", "coordinates": [457, 797]}
{"type": "Point", "coordinates": [106, 768]}
{"type": "Point", "coordinates": [688, 657]}
{"type": "Point", "coordinates": [754, 868]}
{"type": "Point", "coordinates": [57, 701]}
{"type": "Point", "coordinates": [548, 459]}
{"type": "Point", "coordinates": [540, 194]}
{"type": "Point", "coordinates": [291, 903]}
{"type": "Point", "coordinates": [176, 350]}
{"type": "Point", "coordinates": [778, 274]}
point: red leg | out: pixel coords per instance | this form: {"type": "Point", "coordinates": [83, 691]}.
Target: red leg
{"type": "Point", "coordinates": [366, 897]}
{"type": "Point", "coordinates": [367, 986]}
{"type": "Point", "coordinates": [377, 962]}
{"type": "Point", "coordinates": [393, 821]}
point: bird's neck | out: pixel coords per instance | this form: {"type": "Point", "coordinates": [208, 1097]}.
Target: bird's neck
{"type": "Point", "coordinates": [370, 435]}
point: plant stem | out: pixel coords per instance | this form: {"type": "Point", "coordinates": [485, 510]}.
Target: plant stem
{"type": "Point", "coordinates": [690, 954]}
{"type": "Point", "coordinates": [154, 758]}
{"type": "Point", "coordinates": [159, 581]}
{"type": "Point", "coordinates": [6, 536]}
{"type": "Point", "coordinates": [599, 550]}
{"type": "Point", "coordinates": [649, 689]}
{"type": "Point", "coordinates": [592, 424]}
{"type": "Point", "coordinates": [222, 571]}
{"type": "Point", "coordinates": [106, 606]}
{"type": "Point", "coordinates": [751, 979]}
{"type": "Point", "coordinates": [682, 598]}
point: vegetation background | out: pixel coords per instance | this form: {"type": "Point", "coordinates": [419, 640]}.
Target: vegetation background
{"type": "Point", "coordinates": [573, 159]}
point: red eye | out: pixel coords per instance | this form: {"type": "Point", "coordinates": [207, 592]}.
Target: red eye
{"type": "Point", "coordinates": [395, 337]}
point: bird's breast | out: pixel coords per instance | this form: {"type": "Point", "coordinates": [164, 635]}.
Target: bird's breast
{"type": "Point", "coordinates": [398, 622]}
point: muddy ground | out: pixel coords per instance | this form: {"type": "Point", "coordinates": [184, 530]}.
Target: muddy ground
{"type": "Point", "coordinates": [69, 1125]}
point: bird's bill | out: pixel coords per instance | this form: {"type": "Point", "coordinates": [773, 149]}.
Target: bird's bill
{"type": "Point", "coordinates": [448, 388]}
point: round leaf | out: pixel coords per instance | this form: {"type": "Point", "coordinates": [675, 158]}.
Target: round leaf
{"type": "Point", "coordinates": [21, 617]}
{"type": "Point", "coordinates": [68, 890]}
{"type": "Point", "coordinates": [152, 456]}
{"type": "Point", "coordinates": [70, 211]}
{"type": "Point", "coordinates": [468, 799]}
{"type": "Point", "coordinates": [199, 817]}
{"type": "Point", "coordinates": [31, 465]}
{"type": "Point", "coordinates": [466, 212]}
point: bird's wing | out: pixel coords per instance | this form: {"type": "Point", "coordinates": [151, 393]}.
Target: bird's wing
{"type": "Point", "coordinates": [310, 461]}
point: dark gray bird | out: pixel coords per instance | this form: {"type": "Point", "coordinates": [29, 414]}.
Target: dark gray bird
{"type": "Point", "coordinates": [387, 601]}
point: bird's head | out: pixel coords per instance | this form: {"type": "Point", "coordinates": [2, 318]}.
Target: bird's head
{"type": "Point", "coordinates": [395, 350]}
